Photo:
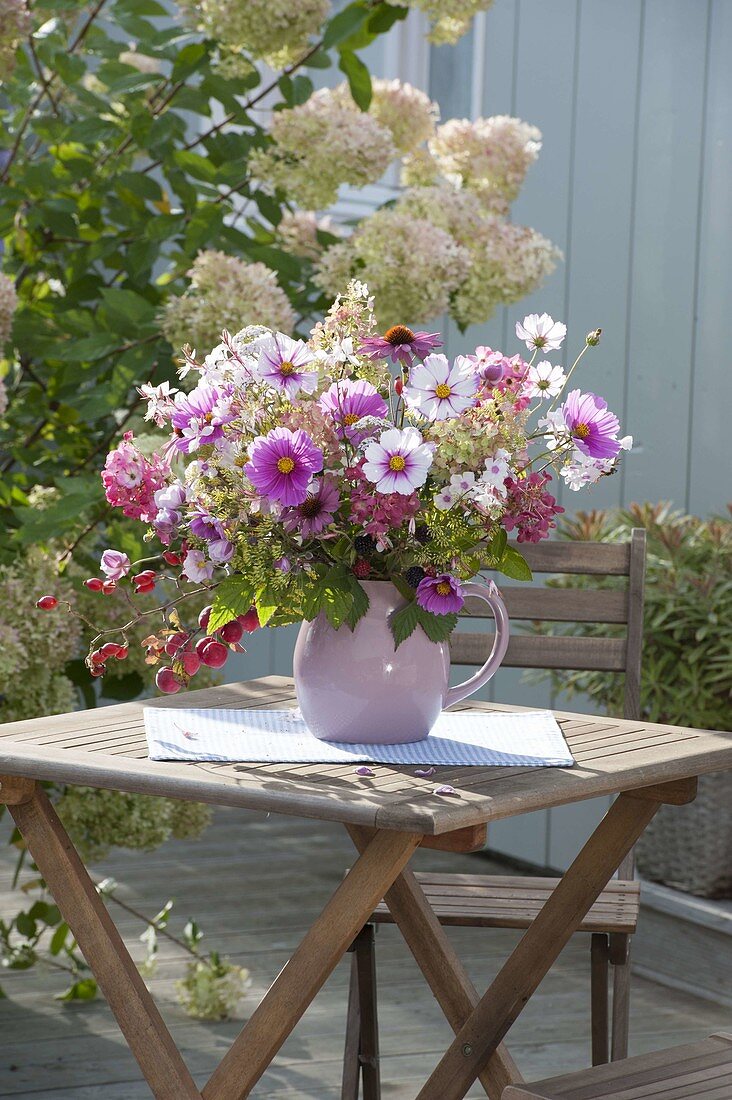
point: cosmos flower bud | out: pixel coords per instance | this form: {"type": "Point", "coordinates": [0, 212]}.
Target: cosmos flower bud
{"type": "Point", "coordinates": [593, 338]}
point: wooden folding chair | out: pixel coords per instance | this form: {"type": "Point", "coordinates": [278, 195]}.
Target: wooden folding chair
{"type": "Point", "coordinates": [490, 901]}
{"type": "Point", "coordinates": [696, 1071]}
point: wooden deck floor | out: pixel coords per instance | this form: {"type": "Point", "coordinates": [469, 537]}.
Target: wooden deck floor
{"type": "Point", "coordinates": [255, 884]}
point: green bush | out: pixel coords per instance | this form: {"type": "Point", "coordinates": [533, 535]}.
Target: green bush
{"type": "Point", "coordinates": [687, 650]}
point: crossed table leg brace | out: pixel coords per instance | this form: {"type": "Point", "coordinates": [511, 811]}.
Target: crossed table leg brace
{"type": "Point", "coordinates": [479, 1023]}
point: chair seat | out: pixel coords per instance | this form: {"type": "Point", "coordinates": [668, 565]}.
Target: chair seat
{"type": "Point", "coordinates": [698, 1071]}
{"type": "Point", "coordinates": [498, 901]}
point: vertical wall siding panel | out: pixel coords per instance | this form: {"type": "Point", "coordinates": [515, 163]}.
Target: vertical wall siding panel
{"type": "Point", "coordinates": [662, 307]}
{"type": "Point", "coordinates": [710, 468]}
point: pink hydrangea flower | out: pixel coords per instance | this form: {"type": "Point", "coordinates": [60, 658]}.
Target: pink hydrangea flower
{"type": "Point", "coordinates": [115, 565]}
{"type": "Point", "coordinates": [490, 365]}
{"type": "Point", "coordinates": [379, 513]}
{"type": "Point", "coordinates": [530, 510]}
{"type": "Point", "coordinates": [131, 480]}
{"type": "Point", "coordinates": [442, 595]}
{"type": "Point", "coordinates": [282, 463]}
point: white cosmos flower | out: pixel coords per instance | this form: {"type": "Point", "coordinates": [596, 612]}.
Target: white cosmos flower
{"type": "Point", "coordinates": [555, 429]}
{"type": "Point", "coordinates": [544, 380]}
{"type": "Point", "coordinates": [399, 462]}
{"type": "Point", "coordinates": [541, 332]}
{"type": "Point", "coordinates": [440, 391]}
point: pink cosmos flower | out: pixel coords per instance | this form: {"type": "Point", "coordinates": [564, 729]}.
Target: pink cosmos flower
{"type": "Point", "coordinates": [196, 568]}
{"type": "Point", "coordinates": [442, 595]}
{"type": "Point", "coordinates": [282, 363]}
{"type": "Point", "coordinates": [115, 565]}
{"type": "Point", "coordinates": [593, 429]}
{"type": "Point", "coordinates": [347, 402]}
{"type": "Point", "coordinates": [131, 480]}
{"type": "Point", "coordinates": [440, 391]}
{"type": "Point", "coordinates": [200, 416]}
{"type": "Point", "coordinates": [399, 461]}
{"type": "Point", "coordinates": [316, 511]}
{"type": "Point", "coordinates": [400, 344]}
{"type": "Point", "coordinates": [490, 365]}
{"type": "Point", "coordinates": [282, 463]}
{"type": "Point", "coordinates": [541, 332]}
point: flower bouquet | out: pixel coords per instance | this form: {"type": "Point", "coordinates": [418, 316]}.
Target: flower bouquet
{"type": "Point", "coordinates": [354, 482]}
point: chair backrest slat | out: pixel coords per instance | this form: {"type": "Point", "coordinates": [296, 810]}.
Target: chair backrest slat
{"type": "Point", "coordinates": [535, 651]}
{"type": "Point", "coordinates": [566, 605]}
{"type": "Point", "coordinates": [578, 557]}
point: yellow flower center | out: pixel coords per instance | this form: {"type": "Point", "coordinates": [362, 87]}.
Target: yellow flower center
{"type": "Point", "coordinates": [396, 462]}
{"type": "Point", "coordinates": [285, 465]}
{"type": "Point", "coordinates": [442, 391]}
{"type": "Point", "coordinates": [443, 588]}
{"type": "Point", "coordinates": [351, 418]}
{"type": "Point", "coordinates": [399, 334]}
{"type": "Point", "coordinates": [287, 368]}
{"type": "Point", "coordinates": [582, 430]}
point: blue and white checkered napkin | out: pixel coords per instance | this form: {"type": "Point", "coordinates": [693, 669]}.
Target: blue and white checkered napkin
{"type": "Point", "coordinates": [530, 739]}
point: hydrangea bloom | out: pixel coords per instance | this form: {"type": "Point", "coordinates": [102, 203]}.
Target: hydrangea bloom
{"type": "Point", "coordinates": [282, 463]}
{"type": "Point", "coordinates": [489, 156]}
{"type": "Point", "coordinates": [347, 402]}
{"type": "Point", "coordinates": [592, 427]}
{"type": "Point", "coordinates": [380, 514]}
{"type": "Point", "coordinates": [531, 509]}
{"type": "Point", "coordinates": [8, 301]}
{"type": "Point", "coordinates": [131, 480]}
{"type": "Point", "coordinates": [398, 462]}
{"type": "Point", "coordinates": [450, 19]}
{"type": "Point", "coordinates": [442, 595]}
{"type": "Point", "coordinates": [490, 365]}
{"type": "Point", "coordinates": [439, 391]}
{"type": "Point", "coordinates": [3, 397]}
{"type": "Point", "coordinates": [406, 112]}
{"type": "Point", "coordinates": [319, 145]}
{"type": "Point", "coordinates": [282, 364]}
{"type": "Point", "coordinates": [225, 293]}
{"type": "Point", "coordinates": [316, 511]}
{"type": "Point", "coordinates": [276, 30]}
{"type": "Point", "coordinates": [298, 233]}
{"type": "Point", "coordinates": [382, 249]}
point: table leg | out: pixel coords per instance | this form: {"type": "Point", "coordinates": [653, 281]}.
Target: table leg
{"type": "Point", "coordinates": [443, 970]}
{"type": "Point", "coordinates": [102, 946]}
{"type": "Point", "coordinates": [539, 947]}
{"type": "Point", "coordinates": [314, 960]}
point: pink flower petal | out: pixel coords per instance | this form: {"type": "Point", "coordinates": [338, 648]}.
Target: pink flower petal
{"type": "Point", "coordinates": [424, 773]}
{"type": "Point", "coordinates": [445, 789]}
{"type": "Point", "coordinates": [364, 771]}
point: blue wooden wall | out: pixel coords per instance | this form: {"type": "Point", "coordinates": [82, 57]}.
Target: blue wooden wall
{"type": "Point", "coordinates": [634, 184]}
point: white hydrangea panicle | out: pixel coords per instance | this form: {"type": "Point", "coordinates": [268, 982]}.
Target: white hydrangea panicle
{"type": "Point", "coordinates": [8, 305]}
{"type": "Point", "coordinates": [277, 31]}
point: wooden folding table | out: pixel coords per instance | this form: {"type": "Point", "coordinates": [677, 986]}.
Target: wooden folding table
{"type": "Point", "coordinates": [387, 817]}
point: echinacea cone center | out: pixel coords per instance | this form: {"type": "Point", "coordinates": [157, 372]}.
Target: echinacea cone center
{"type": "Point", "coordinates": [399, 334]}
{"type": "Point", "coordinates": [396, 462]}
{"type": "Point", "coordinates": [285, 465]}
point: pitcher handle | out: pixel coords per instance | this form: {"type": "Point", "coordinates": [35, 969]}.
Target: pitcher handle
{"type": "Point", "coordinates": [491, 595]}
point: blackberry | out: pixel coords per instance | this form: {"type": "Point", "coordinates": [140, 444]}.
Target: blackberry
{"type": "Point", "coordinates": [364, 544]}
{"type": "Point", "coordinates": [422, 533]}
{"type": "Point", "coordinates": [414, 575]}
{"type": "Point", "coordinates": [361, 569]}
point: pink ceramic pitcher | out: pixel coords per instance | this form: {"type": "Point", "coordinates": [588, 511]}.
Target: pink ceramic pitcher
{"type": "Point", "coordinates": [356, 687]}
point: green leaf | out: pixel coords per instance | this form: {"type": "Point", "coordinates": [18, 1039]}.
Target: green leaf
{"type": "Point", "coordinates": [513, 565]}
{"type": "Point", "coordinates": [58, 939]}
{"type": "Point", "coordinates": [25, 925]}
{"type": "Point", "coordinates": [404, 622]}
{"type": "Point", "coordinates": [84, 990]}
{"type": "Point", "coordinates": [234, 596]}
{"type": "Point", "coordinates": [385, 16]}
{"type": "Point", "coordinates": [438, 628]}
{"type": "Point", "coordinates": [359, 78]}
{"type": "Point", "coordinates": [188, 60]}
{"type": "Point", "coordinates": [344, 24]}
{"type": "Point", "coordinates": [266, 603]}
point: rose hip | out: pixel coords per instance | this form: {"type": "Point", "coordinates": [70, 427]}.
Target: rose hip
{"type": "Point", "coordinates": [47, 603]}
{"type": "Point", "coordinates": [94, 584]}
{"type": "Point", "coordinates": [171, 557]}
{"type": "Point", "coordinates": [108, 587]}
{"type": "Point", "coordinates": [167, 682]}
